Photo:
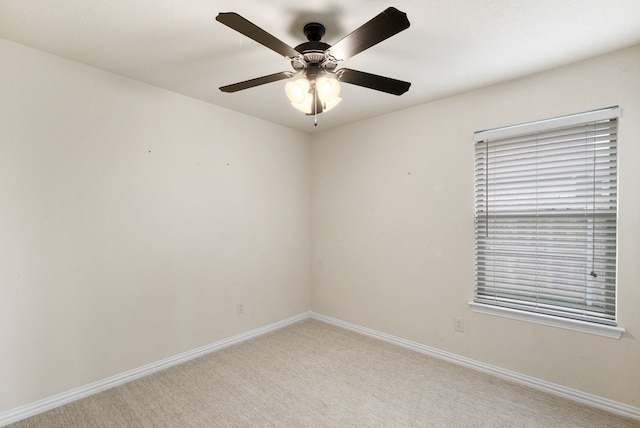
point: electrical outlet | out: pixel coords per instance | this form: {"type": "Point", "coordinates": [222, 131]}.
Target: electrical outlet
{"type": "Point", "coordinates": [240, 309]}
{"type": "Point", "coordinates": [458, 324]}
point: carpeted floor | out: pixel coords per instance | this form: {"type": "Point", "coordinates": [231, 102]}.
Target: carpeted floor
{"type": "Point", "coordinates": [313, 374]}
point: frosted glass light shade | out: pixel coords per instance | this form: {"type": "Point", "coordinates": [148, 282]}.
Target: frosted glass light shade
{"type": "Point", "coordinates": [297, 90]}
{"type": "Point", "coordinates": [305, 105]}
{"type": "Point", "coordinates": [328, 89]}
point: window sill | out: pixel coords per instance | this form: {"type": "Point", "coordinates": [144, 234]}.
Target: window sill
{"type": "Point", "coordinates": [581, 326]}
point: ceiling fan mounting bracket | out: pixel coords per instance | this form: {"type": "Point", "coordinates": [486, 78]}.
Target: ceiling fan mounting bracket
{"type": "Point", "coordinates": [314, 31]}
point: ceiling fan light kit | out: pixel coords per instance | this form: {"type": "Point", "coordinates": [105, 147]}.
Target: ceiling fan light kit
{"type": "Point", "coordinates": [315, 83]}
{"type": "Point", "coordinates": [305, 95]}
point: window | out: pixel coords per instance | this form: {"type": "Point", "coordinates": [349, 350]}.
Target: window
{"type": "Point", "coordinates": [545, 221]}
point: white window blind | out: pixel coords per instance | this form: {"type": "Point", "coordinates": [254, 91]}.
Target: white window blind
{"type": "Point", "coordinates": [545, 217]}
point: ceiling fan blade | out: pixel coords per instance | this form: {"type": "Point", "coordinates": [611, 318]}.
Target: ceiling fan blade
{"type": "Point", "coordinates": [249, 29]}
{"type": "Point", "coordinates": [386, 24]}
{"type": "Point", "coordinates": [373, 81]}
{"type": "Point", "coordinates": [256, 82]}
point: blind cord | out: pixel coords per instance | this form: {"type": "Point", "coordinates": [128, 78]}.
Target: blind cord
{"type": "Point", "coordinates": [593, 214]}
{"type": "Point", "coordinates": [486, 190]}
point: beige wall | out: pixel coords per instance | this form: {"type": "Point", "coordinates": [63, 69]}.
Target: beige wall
{"type": "Point", "coordinates": [392, 203]}
{"type": "Point", "coordinates": [132, 221]}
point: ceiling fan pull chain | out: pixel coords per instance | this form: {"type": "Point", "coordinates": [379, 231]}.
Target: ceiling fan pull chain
{"type": "Point", "coordinates": [315, 106]}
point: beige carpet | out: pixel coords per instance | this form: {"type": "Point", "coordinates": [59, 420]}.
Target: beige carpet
{"type": "Point", "coordinates": [313, 374]}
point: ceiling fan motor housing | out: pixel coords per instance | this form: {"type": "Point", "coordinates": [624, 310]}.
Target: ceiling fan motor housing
{"type": "Point", "coordinates": [313, 58]}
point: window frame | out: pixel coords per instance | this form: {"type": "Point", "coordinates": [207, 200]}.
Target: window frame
{"type": "Point", "coordinates": [481, 305]}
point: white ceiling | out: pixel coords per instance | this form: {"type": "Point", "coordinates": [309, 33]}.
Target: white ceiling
{"type": "Point", "coordinates": [452, 45]}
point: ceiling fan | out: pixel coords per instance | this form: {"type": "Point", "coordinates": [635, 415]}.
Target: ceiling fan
{"type": "Point", "coordinates": [314, 86]}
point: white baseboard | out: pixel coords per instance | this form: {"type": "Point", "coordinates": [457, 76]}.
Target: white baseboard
{"type": "Point", "coordinates": [541, 385]}
{"type": "Point", "coordinates": [31, 409]}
